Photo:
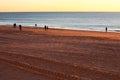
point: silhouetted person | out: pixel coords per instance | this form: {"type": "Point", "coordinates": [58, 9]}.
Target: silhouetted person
{"type": "Point", "coordinates": [14, 25]}
{"type": "Point", "coordinates": [35, 25]}
{"type": "Point", "coordinates": [45, 27]}
{"type": "Point", "coordinates": [106, 29]}
{"type": "Point", "coordinates": [20, 27]}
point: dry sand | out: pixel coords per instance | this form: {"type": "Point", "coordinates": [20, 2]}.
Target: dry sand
{"type": "Point", "coordinates": [57, 54]}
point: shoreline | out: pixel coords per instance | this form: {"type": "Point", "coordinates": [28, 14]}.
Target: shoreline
{"type": "Point", "coordinates": [69, 32]}
{"type": "Point", "coordinates": [110, 31]}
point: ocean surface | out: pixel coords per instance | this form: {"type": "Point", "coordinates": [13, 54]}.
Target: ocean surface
{"type": "Point", "coordinates": [94, 21]}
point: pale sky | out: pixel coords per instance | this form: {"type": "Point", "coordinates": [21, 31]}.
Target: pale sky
{"type": "Point", "coordinates": [59, 5]}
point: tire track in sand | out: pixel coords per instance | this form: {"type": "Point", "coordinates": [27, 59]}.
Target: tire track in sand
{"type": "Point", "coordinates": [41, 71]}
{"type": "Point", "coordinates": [71, 67]}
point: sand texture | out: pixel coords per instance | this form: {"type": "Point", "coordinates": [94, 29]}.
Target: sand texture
{"type": "Point", "coordinates": [58, 54]}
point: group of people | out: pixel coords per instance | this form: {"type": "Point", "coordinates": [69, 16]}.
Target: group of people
{"type": "Point", "coordinates": [45, 27]}
{"type": "Point", "coordinates": [20, 26]}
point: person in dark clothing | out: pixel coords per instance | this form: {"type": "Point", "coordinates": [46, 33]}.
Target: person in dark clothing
{"type": "Point", "coordinates": [106, 29]}
{"type": "Point", "coordinates": [14, 25]}
{"type": "Point", "coordinates": [45, 27]}
{"type": "Point", "coordinates": [20, 27]}
{"type": "Point", "coordinates": [35, 25]}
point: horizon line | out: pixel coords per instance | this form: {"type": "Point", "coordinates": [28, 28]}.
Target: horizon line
{"type": "Point", "coordinates": [60, 11]}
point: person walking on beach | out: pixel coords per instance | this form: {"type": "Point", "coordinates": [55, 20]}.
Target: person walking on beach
{"type": "Point", "coordinates": [20, 27]}
{"type": "Point", "coordinates": [106, 29]}
{"type": "Point", "coordinates": [14, 25]}
{"type": "Point", "coordinates": [45, 27]}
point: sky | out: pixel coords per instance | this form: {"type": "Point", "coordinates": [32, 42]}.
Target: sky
{"type": "Point", "coordinates": [59, 5]}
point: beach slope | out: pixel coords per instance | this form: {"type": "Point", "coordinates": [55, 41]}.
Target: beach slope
{"type": "Point", "coordinates": [58, 54]}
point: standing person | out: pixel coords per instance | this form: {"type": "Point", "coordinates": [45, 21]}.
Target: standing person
{"type": "Point", "coordinates": [14, 25]}
{"type": "Point", "coordinates": [106, 29]}
{"type": "Point", "coordinates": [35, 25]}
{"type": "Point", "coordinates": [45, 27]}
{"type": "Point", "coordinates": [20, 27]}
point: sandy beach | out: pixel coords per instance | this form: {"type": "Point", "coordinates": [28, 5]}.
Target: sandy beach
{"type": "Point", "coordinates": [58, 54]}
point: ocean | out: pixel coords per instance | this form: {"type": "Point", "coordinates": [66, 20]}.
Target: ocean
{"type": "Point", "coordinates": [93, 21]}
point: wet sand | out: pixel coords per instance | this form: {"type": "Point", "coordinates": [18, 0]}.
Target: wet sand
{"type": "Point", "coordinates": [58, 54]}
